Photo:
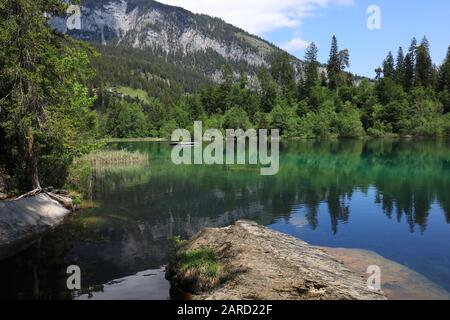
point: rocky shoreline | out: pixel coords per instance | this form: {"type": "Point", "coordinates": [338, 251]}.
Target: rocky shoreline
{"type": "Point", "coordinates": [255, 263]}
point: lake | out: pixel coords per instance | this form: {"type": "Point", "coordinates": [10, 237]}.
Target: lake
{"type": "Point", "coordinates": [388, 196]}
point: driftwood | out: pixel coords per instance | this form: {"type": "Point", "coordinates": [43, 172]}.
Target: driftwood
{"type": "Point", "coordinates": [66, 202]}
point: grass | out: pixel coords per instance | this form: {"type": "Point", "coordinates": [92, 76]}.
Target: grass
{"type": "Point", "coordinates": [105, 158]}
{"type": "Point", "coordinates": [202, 261]}
{"type": "Point", "coordinates": [134, 93]}
{"type": "Point", "coordinates": [95, 165]}
{"type": "Point", "coordinates": [193, 270]}
{"type": "Point", "coordinates": [149, 139]}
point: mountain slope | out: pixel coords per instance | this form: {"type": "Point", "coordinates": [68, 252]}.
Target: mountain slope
{"type": "Point", "coordinates": [199, 42]}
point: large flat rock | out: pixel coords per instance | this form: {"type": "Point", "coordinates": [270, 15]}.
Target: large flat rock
{"type": "Point", "coordinates": [23, 221]}
{"type": "Point", "coordinates": [258, 263]}
{"type": "Point", "coordinates": [398, 282]}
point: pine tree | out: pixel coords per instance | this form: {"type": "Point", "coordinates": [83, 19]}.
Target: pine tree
{"type": "Point", "coordinates": [400, 66]}
{"type": "Point", "coordinates": [410, 66]}
{"type": "Point", "coordinates": [389, 66]}
{"type": "Point", "coordinates": [444, 74]}
{"type": "Point", "coordinates": [311, 67]}
{"type": "Point", "coordinates": [444, 82]}
{"type": "Point", "coordinates": [424, 64]}
{"type": "Point", "coordinates": [334, 65]}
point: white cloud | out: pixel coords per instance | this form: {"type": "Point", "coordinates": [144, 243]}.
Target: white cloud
{"type": "Point", "coordinates": [258, 16]}
{"type": "Point", "coordinates": [296, 44]}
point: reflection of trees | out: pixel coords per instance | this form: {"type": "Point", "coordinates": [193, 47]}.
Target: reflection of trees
{"type": "Point", "coordinates": [141, 208]}
{"type": "Point", "coordinates": [40, 271]}
{"type": "Point", "coordinates": [408, 176]}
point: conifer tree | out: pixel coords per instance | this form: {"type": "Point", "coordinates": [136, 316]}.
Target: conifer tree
{"type": "Point", "coordinates": [410, 66]}
{"type": "Point", "coordinates": [334, 65]}
{"type": "Point", "coordinates": [311, 67]}
{"type": "Point", "coordinates": [424, 64]}
{"type": "Point", "coordinates": [400, 66]}
{"type": "Point", "coordinates": [444, 73]}
{"type": "Point", "coordinates": [389, 66]}
{"type": "Point", "coordinates": [284, 74]}
{"type": "Point", "coordinates": [43, 100]}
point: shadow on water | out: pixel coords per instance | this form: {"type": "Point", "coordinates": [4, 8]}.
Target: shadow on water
{"type": "Point", "coordinates": [387, 196]}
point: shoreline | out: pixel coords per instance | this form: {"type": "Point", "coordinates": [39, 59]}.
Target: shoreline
{"type": "Point", "coordinates": [364, 138]}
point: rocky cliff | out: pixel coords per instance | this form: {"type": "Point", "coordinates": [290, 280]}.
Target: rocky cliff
{"type": "Point", "coordinates": [203, 42]}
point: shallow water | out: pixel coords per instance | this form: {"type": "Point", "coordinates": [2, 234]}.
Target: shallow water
{"type": "Point", "coordinates": [390, 197]}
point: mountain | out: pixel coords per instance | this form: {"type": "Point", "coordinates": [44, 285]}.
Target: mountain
{"type": "Point", "coordinates": [194, 42]}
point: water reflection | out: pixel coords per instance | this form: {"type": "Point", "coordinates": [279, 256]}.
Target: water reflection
{"type": "Point", "coordinates": [353, 193]}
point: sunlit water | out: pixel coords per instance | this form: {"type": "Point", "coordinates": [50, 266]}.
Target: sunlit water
{"type": "Point", "coordinates": [391, 197]}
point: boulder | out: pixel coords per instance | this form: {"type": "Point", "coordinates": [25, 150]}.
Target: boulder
{"type": "Point", "coordinates": [260, 264]}
{"type": "Point", "coordinates": [24, 220]}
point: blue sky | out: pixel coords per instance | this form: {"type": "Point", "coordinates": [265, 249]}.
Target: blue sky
{"type": "Point", "coordinates": [292, 24]}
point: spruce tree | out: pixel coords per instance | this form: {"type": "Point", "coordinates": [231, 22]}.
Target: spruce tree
{"type": "Point", "coordinates": [334, 65]}
{"type": "Point", "coordinates": [444, 73]}
{"type": "Point", "coordinates": [389, 66]}
{"type": "Point", "coordinates": [410, 66]}
{"type": "Point", "coordinates": [311, 67]}
{"type": "Point", "coordinates": [424, 64]}
{"type": "Point", "coordinates": [400, 66]}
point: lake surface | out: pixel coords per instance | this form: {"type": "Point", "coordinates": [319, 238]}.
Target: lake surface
{"type": "Point", "coordinates": [388, 196]}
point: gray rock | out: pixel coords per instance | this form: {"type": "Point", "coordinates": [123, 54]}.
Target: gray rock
{"type": "Point", "coordinates": [258, 263]}
{"type": "Point", "coordinates": [24, 221]}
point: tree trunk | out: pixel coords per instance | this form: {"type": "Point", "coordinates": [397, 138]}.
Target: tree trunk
{"type": "Point", "coordinates": [32, 160]}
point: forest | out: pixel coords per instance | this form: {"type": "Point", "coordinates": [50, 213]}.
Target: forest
{"type": "Point", "coordinates": [59, 97]}
{"type": "Point", "coordinates": [408, 97]}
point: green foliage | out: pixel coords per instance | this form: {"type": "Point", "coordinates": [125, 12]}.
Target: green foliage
{"type": "Point", "coordinates": [311, 67]}
{"type": "Point", "coordinates": [389, 66]}
{"type": "Point", "coordinates": [93, 165]}
{"type": "Point", "coordinates": [236, 118]}
{"type": "Point", "coordinates": [45, 106]}
{"type": "Point", "coordinates": [168, 128]}
{"type": "Point", "coordinates": [285, 119]}
{"type": "Point", "coordinates": [348, 122]}
{"type": "Point", "coordinates": [424, 65]}
{"type": "Point", "coordinates": [125, 120]}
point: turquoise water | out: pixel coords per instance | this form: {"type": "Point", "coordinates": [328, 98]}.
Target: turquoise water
{"type": "Point", "coordinates": [391, 197]}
